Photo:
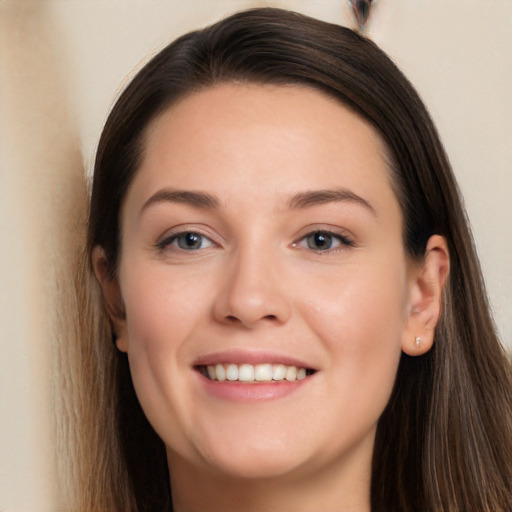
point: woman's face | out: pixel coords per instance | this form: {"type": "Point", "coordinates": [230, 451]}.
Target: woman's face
{"type": "Point", "coordinates": [264, 282]}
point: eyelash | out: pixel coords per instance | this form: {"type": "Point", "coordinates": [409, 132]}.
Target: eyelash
{"type": "Point", "coordinates": [343, 240]}
{"type": "Point", "coordinates": [174, 237]}
{"type": "Point", "coordinates": [330, 236]}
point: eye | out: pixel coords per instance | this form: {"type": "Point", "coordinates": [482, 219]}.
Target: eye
{"type": "Point", "coordinates": [186, 241]}
{"type": "Point", "coordinates": [323, 241]}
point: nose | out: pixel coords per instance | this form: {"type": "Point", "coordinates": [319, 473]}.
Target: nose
{"type": "Point", "coordinates": [252, 292]}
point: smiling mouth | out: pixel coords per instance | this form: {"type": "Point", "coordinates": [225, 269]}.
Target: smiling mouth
{"type": "Point", "coordinates": [248, 373]}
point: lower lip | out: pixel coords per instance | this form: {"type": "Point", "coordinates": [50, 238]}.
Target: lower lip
{"type": "Point", "coordinates": [250, 392]}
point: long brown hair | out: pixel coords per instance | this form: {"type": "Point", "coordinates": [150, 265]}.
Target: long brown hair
{"type": "Point", "coordinates": [444, 442]}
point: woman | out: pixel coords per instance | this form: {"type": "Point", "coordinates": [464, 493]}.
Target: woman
{"type": "Point", "coordinates": [298, 314]}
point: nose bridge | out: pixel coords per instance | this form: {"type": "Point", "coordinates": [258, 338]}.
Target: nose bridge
{"type": "Point", "coordinates": [252, 291]}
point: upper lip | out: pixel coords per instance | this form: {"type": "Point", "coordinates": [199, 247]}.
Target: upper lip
{"type": "Point", "coordinates": [237, 356]}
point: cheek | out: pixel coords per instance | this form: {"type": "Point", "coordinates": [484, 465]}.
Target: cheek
{"type": "Point", "coordinates": [161, 307]}
{"type": "Point", "coordinates": [360, 315]}
{"type": "Point", "coordinates": [359, 306]}
{"type": "Point", "coordinates": [161, 314]}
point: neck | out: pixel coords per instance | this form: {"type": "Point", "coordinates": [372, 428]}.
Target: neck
{"type": "Point", "coordinates": [340, 486]}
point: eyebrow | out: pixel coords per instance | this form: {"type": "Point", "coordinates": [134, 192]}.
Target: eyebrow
{"type": "Point", "coordinates": [318, 197]}
{"type": "Point", "coordinates": [196, 199]}
{"type": "Point", "coordinates": [302, 200]}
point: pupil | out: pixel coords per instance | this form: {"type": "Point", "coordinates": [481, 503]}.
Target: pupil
{"type": "Point", "coordinates": [320, 241]}
{"type": "Point", "coordinates": [191, 241]}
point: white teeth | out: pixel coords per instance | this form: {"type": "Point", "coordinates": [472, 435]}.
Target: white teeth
{"type": "Point", "coordinates": [255, 373]}
{"type": "Point", "coordinates": [263, 372]}
{"type": "Point", "coordinates": [291, 373]}
{"type": "Point", "coordinates": [211, 372]}
{"type": "Point", "coordinates": [246, 373]}
{"type": "Point", "coordinates": [220, 371]}
{"type": "Point", "coordinates": [279, 372]}
{"type": "Point", "coordinates": [232, 372]}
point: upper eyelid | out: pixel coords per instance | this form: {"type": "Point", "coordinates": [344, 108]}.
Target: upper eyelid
{"type": "Point", "coordinates": [347, 240]}
{"type": "Point", "coordinates": [331, 230]}
{"type": "Point", "coordinates": [170, 236]}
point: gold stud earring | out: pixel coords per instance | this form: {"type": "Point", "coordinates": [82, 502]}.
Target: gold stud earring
{"type": "Point", "coordinates": [417, 342]}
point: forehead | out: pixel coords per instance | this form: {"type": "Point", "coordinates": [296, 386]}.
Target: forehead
{"type": "Point", "coordinates": [245, 140]}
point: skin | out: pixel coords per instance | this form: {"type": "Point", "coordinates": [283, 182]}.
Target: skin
{"type": "Point", "coordinates": [255, 285]}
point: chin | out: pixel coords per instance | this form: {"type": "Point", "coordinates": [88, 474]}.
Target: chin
{"type": "Point", "coordinates": [256, 465]}
{"type": "Point", "coordinates": [257, 454]}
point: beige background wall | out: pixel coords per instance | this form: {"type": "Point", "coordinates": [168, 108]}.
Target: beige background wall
{"type": "Point", "coordinates": [62, 62]}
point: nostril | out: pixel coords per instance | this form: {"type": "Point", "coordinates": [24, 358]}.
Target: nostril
{"type": "Point", "coordinates": [233, 319]}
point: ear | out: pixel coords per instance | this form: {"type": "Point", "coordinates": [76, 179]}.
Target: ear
{"type": "Point", "coordinates": [111, 296]}
{"type": "Point", "coordinates": [426, 295]}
